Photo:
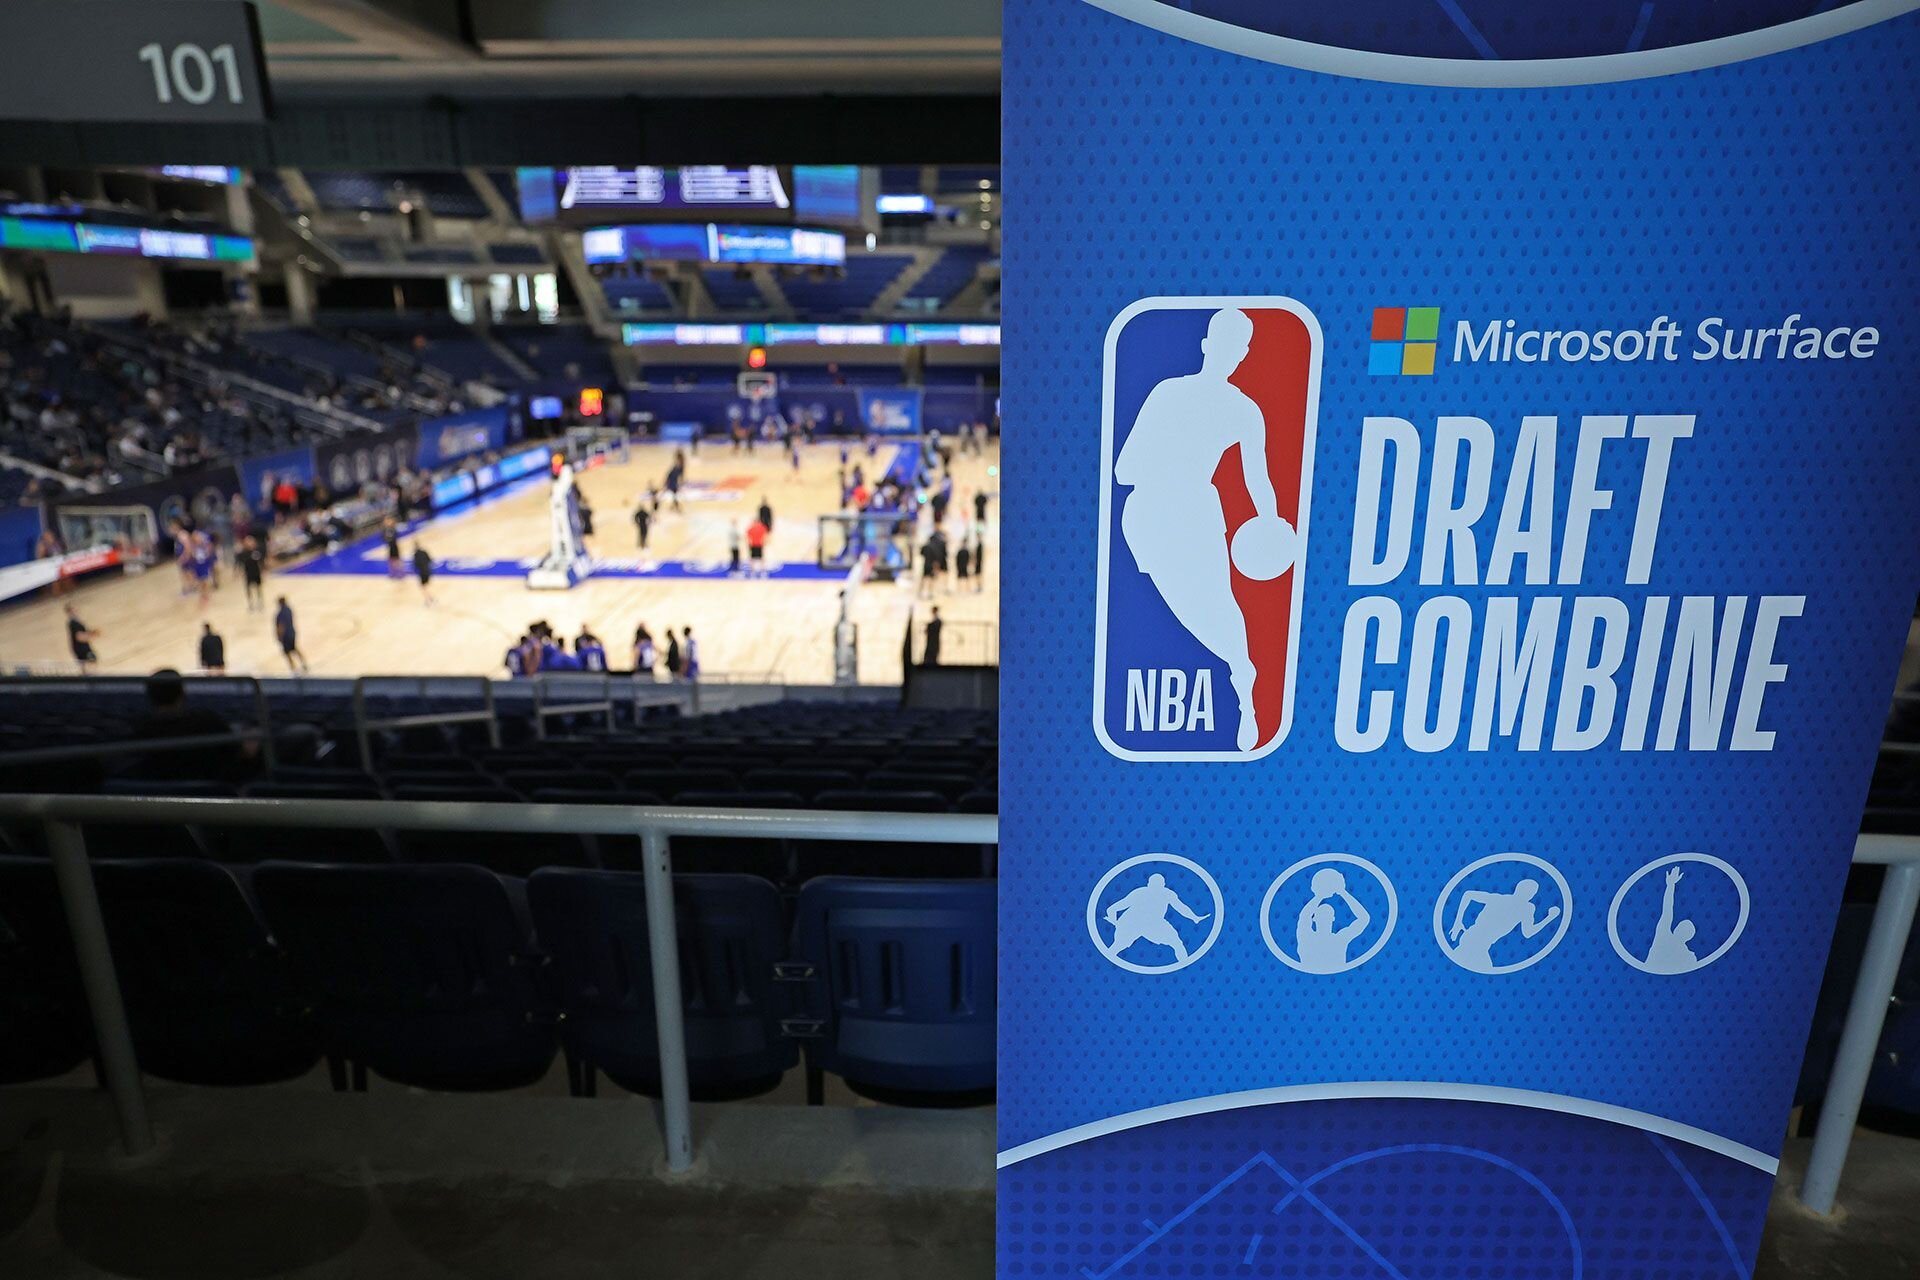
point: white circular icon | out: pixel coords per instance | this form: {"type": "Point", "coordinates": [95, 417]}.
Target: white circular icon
{"type": "Point", "coordinates": [1669, 950]}
{"type": "Point", "coordinates": [1323, 942]}
{"type": "Point", "coordinates": [1150, 914]}
{"type": "Point", "coordinates": [1509, 909]}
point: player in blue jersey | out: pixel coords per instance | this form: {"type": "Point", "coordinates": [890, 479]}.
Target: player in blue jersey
{"type": "Point", "coordinates": [516, 660]}
{"type": "Point", "coordinates": [588, 649]}
{"type": "Point", "coordinates": [200, 560]}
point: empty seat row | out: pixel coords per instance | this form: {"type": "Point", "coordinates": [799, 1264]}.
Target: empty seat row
{"type": "Point", "coordinates": [443, 977]}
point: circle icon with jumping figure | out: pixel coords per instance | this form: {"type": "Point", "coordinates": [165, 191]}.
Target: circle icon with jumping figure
{"type": "Point", "coordinates": [1678, 914]}
{"type": "Point", "coordinates": [1502, 914]}
{"type": "Point", "coordinates": [1328, 914]}
{"type": "Point", "coordinates": [1155, 913]}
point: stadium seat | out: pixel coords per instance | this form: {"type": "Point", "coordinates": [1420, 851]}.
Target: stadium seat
{"type": "Point", "coordinates": [805, 782]}
{"type": "Point", "coordinates": [425, 976]}
{"type": "Point", "coordinates": [977, 802]}
{"type": "Point", "coordinates": [902, 987]}
{"type": "Point", "coordinates": [207, 991]}
{"type": "Point", "coordinates": [731, 933]}
{"type": "Point", "coordinates": [43, 1018]}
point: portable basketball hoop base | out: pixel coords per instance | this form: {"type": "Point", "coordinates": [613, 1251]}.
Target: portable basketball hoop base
{"type": "Point", "coordinates": [566, 564]}
{"type": "Point", "coordinates": [563, 576]}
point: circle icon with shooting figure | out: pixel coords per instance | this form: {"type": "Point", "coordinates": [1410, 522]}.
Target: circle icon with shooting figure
{"type": "Point", "coordinates": [1678, 914]}
{"type": "Point", "coordinates": [1155, 913]}
{"type": "Point", "coordinates": [1502, 914]}
{"type": "Point", "coordinates": [1328, 914]}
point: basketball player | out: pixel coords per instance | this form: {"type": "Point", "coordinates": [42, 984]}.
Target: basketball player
{"type": "Point", "coordinates": [283, 631]}
{"type": "Point", "coordinates": [200, 559]}
{"type": "Point", "coordinates": [757, 548]}
{"type": "Point", "coordinates": [80, 638]}
{"type": "Point", "coordinates": [1172, 520]}
{"type": "Point", "coordinates": [516, 659]}
{"type": "Point", "coordinates": [252, 569]}
{"type": "Point", "coordinates": [642, 522]}
{"type": "Point", "coordinates": [213, 650]}
{"type": "Point", "coordinates": [643, 652]}
{"type": "Point", "coordinates": [587, 648]}
{"type": "Point", "coordinates": [423, 569]}
{"type": "Point", "coordinates": [675, 474]}
{"type": "Point", "coordinates": [765, 513]}
{"type": "Point", "coordinates": [390, 534]}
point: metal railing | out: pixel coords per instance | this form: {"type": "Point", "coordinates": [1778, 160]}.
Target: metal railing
{"type": "Point", "coordinates": [656, 826]}
{"type": "Point", "coordinates": [1893, 920]}
{"type": "Point", "coordinates": [364, 725]}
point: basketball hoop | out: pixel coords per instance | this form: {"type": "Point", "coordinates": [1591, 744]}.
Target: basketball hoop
{"type": "Point", "coordinates": [757, 385]}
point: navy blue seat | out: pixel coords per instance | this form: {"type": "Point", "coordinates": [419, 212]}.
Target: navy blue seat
{"type": "Point", "coordinates": [593, 925]}
{"type": "Point", "coordinates": [805, 782]}
{"type": "Point", "coordinates": [903, 986]}
{"type": "Point", "coordinates": [44, 1029]}
{"type": "Point", "coordinates": [425, 976]}
{"type": "Point", "coordinates": [208, 993]}
{"type": "Point", "coordinates": [978, 802]}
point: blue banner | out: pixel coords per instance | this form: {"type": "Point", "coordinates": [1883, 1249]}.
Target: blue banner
{"type": "Point", "coordinates": [1467, 540]}
{"type": "Point", "coordinates": [259, 476]}
{"type": "Point", "coordinates": [456, 436]}
{"type": "Point", "coordinates": [20, 529]}
{"type": "Point", "coordinates": [891, 411]}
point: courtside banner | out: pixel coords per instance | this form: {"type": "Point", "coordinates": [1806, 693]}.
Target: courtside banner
{"type": "Point", "coordinates": [1466, 497]}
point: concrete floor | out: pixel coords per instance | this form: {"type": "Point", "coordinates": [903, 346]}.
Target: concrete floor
{"type": "Point", "coordinates": [398, 1185]}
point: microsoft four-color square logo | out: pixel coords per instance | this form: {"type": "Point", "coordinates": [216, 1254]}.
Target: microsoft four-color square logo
{"type": "Point", "coordinates": [1404, 340]}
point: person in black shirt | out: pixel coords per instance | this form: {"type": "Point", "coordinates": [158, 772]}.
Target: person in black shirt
{"type": "Point", "coordinates": [423, 567]}
{"type": "Point", "coordinates": [766, 514]}
{"type": "Point", "coordinates": [642, 523]}
{"type": "Point", "coordinates": [390, 534]}
{"type": "Point", "coordinates": [930, 652]}
{"type": "Point", "coordinates": [213, 650]}
{"type": "Point", "coordinates": [979, 506]}
{"type": "Point", "coordinates": [252, 569]}
{"type": "Point", "coordinates": [80, 637]}
{"type": "Point", "coordinates": [289, 639]}
{"type": "Point", "coordinates": [673, 655]}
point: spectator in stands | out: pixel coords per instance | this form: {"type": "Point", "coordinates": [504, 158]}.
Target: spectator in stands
{"type": "Point", "coordinates": [81, 637]}
{"type": "Point", "coordinates": [692, 654]}
{"type": "Point", "coordinates": [643, 652]}
{"type": "Point", "coordinates": [252, 569]}
{"type": "Point", "coordinates": [423, 569]}
{"type": "Point", "coordinates": [169, 715]}
{"type": "Point", "coordinates": [930, 651]}
{"type": "Point", "coordinates": [283, 630]}
{"type": "Point", "coordinates": [213, 650]}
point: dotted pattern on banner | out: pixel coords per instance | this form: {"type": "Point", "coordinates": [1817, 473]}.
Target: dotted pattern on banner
{"type": "Point", "coordinates": [1139, 166]}
{"type": "Point", "coordinates": [1337, 1189]}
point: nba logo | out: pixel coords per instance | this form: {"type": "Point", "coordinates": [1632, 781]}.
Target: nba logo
{"type": "Point", "coordinates": [1206, 470]}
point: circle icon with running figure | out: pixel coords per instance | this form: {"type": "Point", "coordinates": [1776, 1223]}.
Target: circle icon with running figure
{"type": "Point", "coordinates": [1678, 914]}
{"type": "Point", "coordinates": [1156, 913]}
{"type": "Point", "coordinates": [1328, 914]}
{"type": "Point", "coordinates": [1502, 914]}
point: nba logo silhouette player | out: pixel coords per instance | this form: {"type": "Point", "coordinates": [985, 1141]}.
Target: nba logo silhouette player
{"type": "Point", "coordinates": [1201, 518]}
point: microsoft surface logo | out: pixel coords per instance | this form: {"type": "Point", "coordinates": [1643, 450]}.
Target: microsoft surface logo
{"type": "Point", "coordinates": [1405, 340]}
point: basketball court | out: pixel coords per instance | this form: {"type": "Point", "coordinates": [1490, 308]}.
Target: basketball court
{"type": "Point", "coordinates": [354, 621]}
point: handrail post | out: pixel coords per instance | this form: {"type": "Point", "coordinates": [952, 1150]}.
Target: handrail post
{"type": "Point", "coordinates": [663, 942]}
{"type": "Point", "coordinates": [112, 1035]}
{"type": "Point", "coordinates": [1860, 1041]}
{"type": "Point", "coordinates": [493, 714]}
{"type": "Point", "coordinates": [266, 722]}
{"type": "Point", "coordinates": [360, 730]}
